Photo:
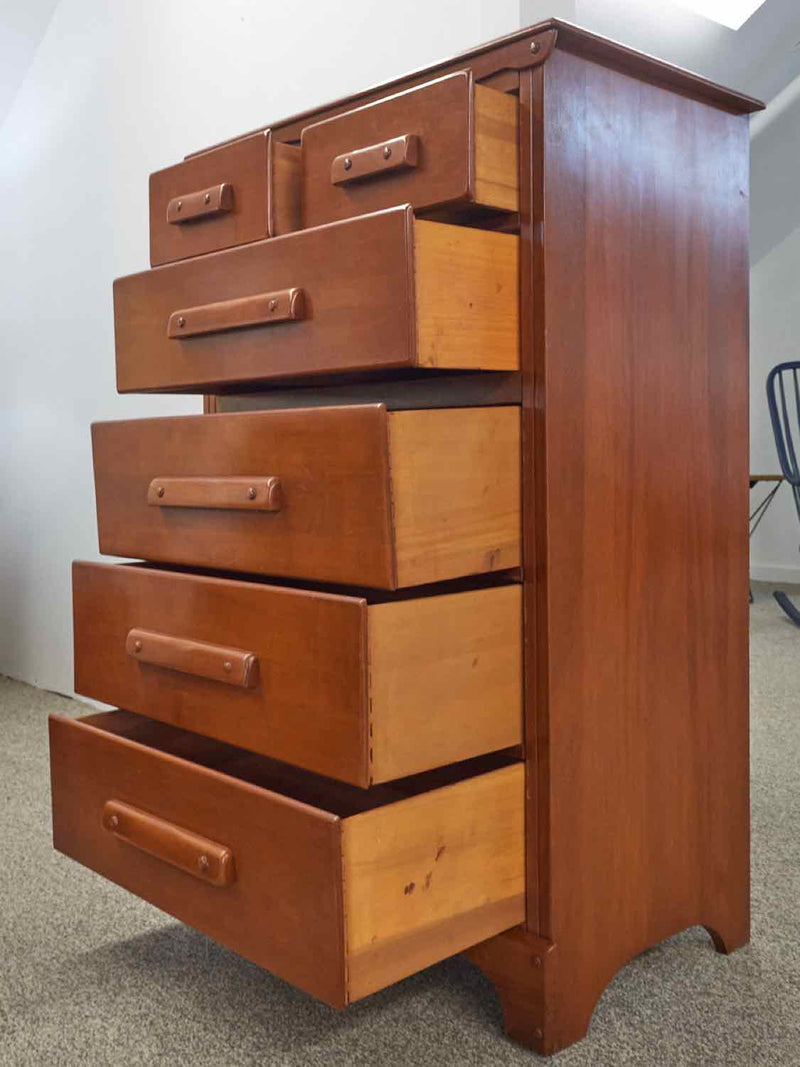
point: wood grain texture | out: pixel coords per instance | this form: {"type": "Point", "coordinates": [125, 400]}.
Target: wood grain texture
{"type": "Point", "coordinates": [283, 912]}
{"type": "Point", "coordinates": [451, 167]}
{"type": "Point", "coordinates": [373, 161]}
{"type": "Point", "coordinates": [285, 176]}
{"type": "Point", "coordinates": [639, 445]}
{"type": "Point", "coordinates": [251, 493]}
{"type": "Point", "coordinates": [212, 863]}
{"type": "Point", "coordinates": [418, 864]}
{"type": "Point", "coordinates": [232, 666]}
{"type": "Point", "coordinates": [496, 122]}
{"type": "Point", "coordinates": [262, 309]}
{"type": "Point", "coordinates": [359, 283]}
{"type": "Point", "coordinates": [265, 180]}
{"type": "Point", "coordinates": [445, 679]}
{"type": "Point", "coordinates": [466, 292]}
{"type": "Point", "coordinates": [332, 465]}
{"type": "Point", "coordinates": [301, 861]}
{"type": "Point", "coordinates": [455, 492]}
{"type": "Point", "coordinates": [433, 680]}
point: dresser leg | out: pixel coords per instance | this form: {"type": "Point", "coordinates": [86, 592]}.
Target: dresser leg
{"type": "Point", "coordinates": [548, 1005]}
{"type": "Point", "coordinates": [536, 1013]}
{"type": "Point", "coordinates": [727, 938]}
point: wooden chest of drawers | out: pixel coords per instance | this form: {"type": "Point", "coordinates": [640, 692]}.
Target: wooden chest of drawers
{"type": "Point", "coordinates": [419, 661]}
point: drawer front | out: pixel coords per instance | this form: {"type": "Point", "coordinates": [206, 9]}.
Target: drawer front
{"type": "Point", "coordinates": [282, 910]}
{"type": "Point", "coordinates": [242, 192]}
{"type": "Point", "coordinates": [448, 142]}
{"type": "Point", "coordinates": [360, 692]}
{"type": "Point", "coordinates": [372, 293]}
{"type": "Point", "coordinates": [339, 894]}
{"type": "Point", "coordinates": [306, 493]}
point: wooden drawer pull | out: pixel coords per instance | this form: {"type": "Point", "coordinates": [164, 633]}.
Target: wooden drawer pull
{"type": "Point", "coordinates": [400, 153]}
{"type": "Point", "coordinates": [263, 309]}
{"type": "Point", "coordinates": [230, 494]}
{"type": "Point", "coordinates": [203, 204]}
{"type": "Point", "coordinates": [230, 665]}
{"type": "Point", "coordinates": [206, 860]}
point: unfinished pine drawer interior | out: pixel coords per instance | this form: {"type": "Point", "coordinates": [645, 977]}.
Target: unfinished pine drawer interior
{"type": "Point", "coordinates": [338, 890]}
{"type": "Point", "coordinates": [352, 495]}
{"type": "Point", "coordinates": [245, 191]}
{"type": "Point", "coordinates": [448, 142]}
{"type": "Point", "coordinates": [363, 690]}
{"type": "Point", "coordinates": [381, 291]}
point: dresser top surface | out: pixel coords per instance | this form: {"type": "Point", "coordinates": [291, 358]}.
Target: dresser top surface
{"type": "Point", "coordinates": [509, 54]}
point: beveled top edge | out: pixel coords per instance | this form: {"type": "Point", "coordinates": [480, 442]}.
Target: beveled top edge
{"type": "Point", "coordinates": [569, 37]}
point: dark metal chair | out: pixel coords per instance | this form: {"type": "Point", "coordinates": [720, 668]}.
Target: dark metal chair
{"type": "Point", "coordinates": [782, 382]}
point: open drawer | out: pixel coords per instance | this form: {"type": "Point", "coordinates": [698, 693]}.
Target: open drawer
{"type": "Point", "coordinates": [339, 891]}
{"type": "Point", "coordinates": [368, 294]}
{"type": "Point", "coordinates": [353, 495]}
{"type": "Point", "coordinates": [360, 688]}
{"type": "Point", "coordinates": [241, 192]}
{"type": "Point", "coordinates": [448, 143]}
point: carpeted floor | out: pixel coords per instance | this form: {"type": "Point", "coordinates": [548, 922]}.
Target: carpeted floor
{"type": "Point", "coordinates": [89, 975]}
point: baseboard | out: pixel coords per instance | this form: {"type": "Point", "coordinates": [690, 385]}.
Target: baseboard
{"type": "Point", "coordinates": [774, 572]}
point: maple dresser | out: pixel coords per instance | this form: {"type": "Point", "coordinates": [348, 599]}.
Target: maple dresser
{"type": "Point", "coordinates": [440, 644]}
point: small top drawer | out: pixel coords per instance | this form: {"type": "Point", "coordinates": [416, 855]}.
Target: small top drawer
{"type": "Point", "coordinates": [448, 142]}
{"type": "Point", "coordinates": [242, 192]}
{"type": "Point", "coordinates": [355, 495]}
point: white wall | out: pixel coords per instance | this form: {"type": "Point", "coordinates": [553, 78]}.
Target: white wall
{"type": "Point", "coordinates": [774, 312]}
{"type": "Point", "coordinates": [117, 89]}
{"type": "Point", "coordinates": [774, 337]}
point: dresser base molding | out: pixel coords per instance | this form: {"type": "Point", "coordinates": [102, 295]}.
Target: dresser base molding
{"type": "Point", "coordinates": [547, 1003]}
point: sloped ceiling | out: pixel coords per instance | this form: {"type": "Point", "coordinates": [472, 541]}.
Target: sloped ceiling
{"type": "Point", "coordinates": [761, 58]}
{"type": "Point", "coordinates": [22, 25]}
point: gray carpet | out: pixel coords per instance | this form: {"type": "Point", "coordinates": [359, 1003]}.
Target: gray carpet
{"type": "Point", "coordinates": [90, 975]}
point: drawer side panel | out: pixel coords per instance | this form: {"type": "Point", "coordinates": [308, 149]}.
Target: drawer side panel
{"type": "Point", "coordinates": [455, 492]}
{"type": "Point", "coordinates": [431, 875]}
{"type": "Point", "coordinates": [445, 679]}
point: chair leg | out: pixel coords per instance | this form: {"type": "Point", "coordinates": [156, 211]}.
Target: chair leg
{"type": "Point", "coordinates": [788, 606]}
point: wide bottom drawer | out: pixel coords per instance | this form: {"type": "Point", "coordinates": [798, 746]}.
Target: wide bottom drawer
{"type": "Point", "coordinates": [339, 891]}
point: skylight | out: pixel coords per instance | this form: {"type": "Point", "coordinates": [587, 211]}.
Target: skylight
{"type": "Point", "coordinates": [730, 13]}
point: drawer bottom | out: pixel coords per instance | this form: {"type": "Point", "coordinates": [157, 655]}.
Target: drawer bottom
{"type": "Point", "coordinates": [340, 891]}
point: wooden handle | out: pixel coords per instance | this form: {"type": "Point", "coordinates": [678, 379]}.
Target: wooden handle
{"type": "Point", "coordinates": [230, 665]}
{"type": "Point", "coordinates": [205, 203]}
{"type": "Point", "coordinates": [245, 494]}
{"type": "Point", "coordinates": [263, 309]}
{"type": "Point", "coordinates": [206, 860]}
{"type": "Point", "coordinates": [398, 154]}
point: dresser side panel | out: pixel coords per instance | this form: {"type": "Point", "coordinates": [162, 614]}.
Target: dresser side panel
{"type": "Point", "coordinates": [642, 400]}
